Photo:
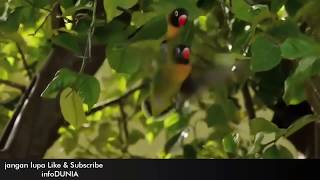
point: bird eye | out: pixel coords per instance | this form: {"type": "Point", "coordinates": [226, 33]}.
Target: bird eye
{"type": "Point", "coordinates": [182, 54]}
{"type": "Point", "coordinates": [176, 13]}
{"type": "Point", "coordinates": [178, 17]}
{"type": "Point", "coordinates": [178, 52]}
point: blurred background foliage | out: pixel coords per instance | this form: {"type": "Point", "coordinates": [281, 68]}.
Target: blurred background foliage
{"type": "Point", "coordinates": [251, 54]}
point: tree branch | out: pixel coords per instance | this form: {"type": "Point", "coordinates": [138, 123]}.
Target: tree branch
{"type": "Point", "coordinates": [124, 118]}
{"type": "Point", "coordinates": [24, 61]}
{"type": "Point", "coordinates": [115, 101]}
{"type": "Point", "coordinates": [41, 25]}
{"type": "Point", "coordinates": [21, 87]}
{"type": "Point", "coordinates": [248, 101]}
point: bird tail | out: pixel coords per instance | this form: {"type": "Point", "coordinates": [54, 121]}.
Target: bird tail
{"type": "Point", "coordinates": [147, 109]}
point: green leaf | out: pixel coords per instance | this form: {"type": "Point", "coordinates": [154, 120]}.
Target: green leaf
{"type": "Point", "coordinates": [288, 145]}
{"type": "Point", "coordinates": [114, 33]}
{"type": "Point", "coordinates": [266, 128]}
{"type": "Point", "coordinates": [299, 47]}
{"type": "Point", "coordinates": [230, 143]}
{"type": "Point", "coordinates": [139, 18]}
{"type": "Point", "coordinates": [42, 3]}
{"type": "Point", "coordinates": [65, 3]}
{"type": "Point", "coordinates": [277, 152]}
{"type": "Point", "coordinates": [154, 29]}
{"type": "Point", "coordinates": [171, 120]}
{"type": "Point", "coordinates": [11, 24]}
{"type": "Point", "coordinates": [245, 12]}
{"type": "Point", "coordinates": [295, 85]}
{"type": "Point", "coordinates": [242, 10]}
{"type": "Point", "coordinates": [69, 139]}
{"type": "Point", "coordinates": [64, 78]}
{"type": "Point", "coordinates": [216, 116]}
{"type": "Point", "coordinates": [135, 136]}
{"type": "Point", "coordinates": [265, 55]}
{"type": "Point", "coordinates": [124, 59]}
{"type": "Point", "coordinates": [88, 88]}
{"type": "Point", "coordinates": [300, 123]}
{"type": "Point", "coordinates": [166, 7]}
{"type": "Point", "coordinates": [73, 9]}
{"type": "Point", "coordinates": [110, 7]}
{"type": "Point", "coordinates": [67, 41]}
{"type": "Point", "coordinates": [71, 108]}
{"type": "Point", "coordinates": [261, 125]}
{"type": "Point", "coordinates": [283, 29]}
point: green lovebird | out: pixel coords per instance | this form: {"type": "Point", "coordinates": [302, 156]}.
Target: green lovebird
{"type": "Point", "coordinates": [166, 84]}
{"type": "Point", "coordinates": [175, 21]}
{"type": "Point", "coordinates": [165, 28]}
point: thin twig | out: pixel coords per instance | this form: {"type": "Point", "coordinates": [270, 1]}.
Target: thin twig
{"type": "Point", "coordinates": [115, 101]}
{"type": "Point", "coordinates": [248, 101]}
{"type": "Point", "coordinates": [120, 131]}
{"type": "Point", "coordinates": [24, 61]}
{"type": "Point", "coordinates": [50, 11]}
{"type": "Point", "coordinates": [42, 24]}
{"type": "Point", "coordinates": [90, 34]}
{"type": "Point", "coordinates": [46, 18]}
{"type": "Point", "coordinates": [124, 121]}
{"type": "Point", "coordinates": [21, 87]}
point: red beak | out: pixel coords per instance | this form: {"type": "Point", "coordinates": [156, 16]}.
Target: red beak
{"type": "Point", "coordinates": [186, 53]}
{"type": "Point", "coordinates": [183, 20]}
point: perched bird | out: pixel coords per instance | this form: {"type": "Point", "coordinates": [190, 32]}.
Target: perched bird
{"type": "Point", "coordinates": [168, 80]}
{"type": "Point", "coordinates": [176, 19]}
{"type": "Point", "coordinates": [161, 28]}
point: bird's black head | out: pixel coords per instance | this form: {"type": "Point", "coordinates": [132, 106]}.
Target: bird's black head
{"type": "Point", "coordinates": [178, 17]}
{"type": "Point", "coordinates": [182, 54]}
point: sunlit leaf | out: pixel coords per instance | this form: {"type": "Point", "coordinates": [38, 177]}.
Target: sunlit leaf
{"type": "Point", "coordinates": [111, 10]}
{"type": "Point", "coordinates": [87, 86]}
{"type": "Point", "coordinates": [261, 125]}
{"type": "Point", "coordinates": [230, 143]}
{"type": "Point", "coordinates": [71, 108]}
{"type": "Point", "coordinates": [64, 78]}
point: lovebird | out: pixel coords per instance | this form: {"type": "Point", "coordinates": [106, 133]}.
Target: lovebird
{"type": "Point", "coordinates": [166, 84]}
